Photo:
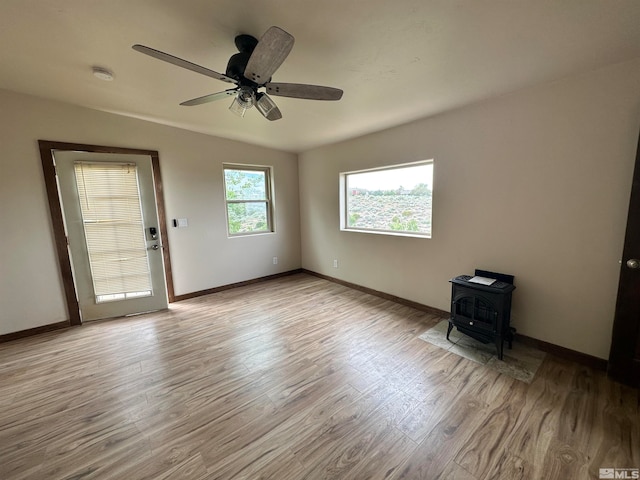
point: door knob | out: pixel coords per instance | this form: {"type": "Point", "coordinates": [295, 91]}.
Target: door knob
{"type": "Point", "coordinates": [633, 263]}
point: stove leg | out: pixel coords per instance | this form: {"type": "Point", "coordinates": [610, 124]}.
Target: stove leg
{"type": "Point", "coordinates": [449, 328]}
{"type": "Point", "coordinates": [512, 332]}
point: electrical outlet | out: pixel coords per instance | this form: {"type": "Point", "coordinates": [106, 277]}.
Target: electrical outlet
{"type": "Point", "coordinates": [275, 260]}
{"type": "Point", "coordinates": [335, 264]}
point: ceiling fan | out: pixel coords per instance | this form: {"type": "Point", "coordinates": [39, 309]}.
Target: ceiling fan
{"type": "Point", "coordinates": [251, 70]}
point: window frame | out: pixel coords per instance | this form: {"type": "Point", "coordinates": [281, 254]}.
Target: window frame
{"type": "Point", "coordinates": [344, 213]}
{"type": "Point", "coordinates": [268, 201]}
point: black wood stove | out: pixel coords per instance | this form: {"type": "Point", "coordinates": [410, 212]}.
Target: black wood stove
{"type": "Point", "coordinates": [483, 310]}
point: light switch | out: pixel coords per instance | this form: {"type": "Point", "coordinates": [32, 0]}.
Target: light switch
{"type": "Point", "coordinates": [182, 223]}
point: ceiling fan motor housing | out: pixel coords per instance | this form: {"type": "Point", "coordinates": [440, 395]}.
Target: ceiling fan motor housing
{"type": "Point", "coordinates": [246, 43]}
{"type": "Point", "coordinates": [237, 64]}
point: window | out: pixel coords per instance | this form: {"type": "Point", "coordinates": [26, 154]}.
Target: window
{"type": "Point", "coordinates": [391, 200]}
{"type": "Point", "coordinates": [248, 198]}
{"type": "Point", "coordinates": [113, 230]}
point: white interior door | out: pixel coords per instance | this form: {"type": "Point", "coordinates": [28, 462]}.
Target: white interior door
{"type": "Point", "coordinates": [111, 221]}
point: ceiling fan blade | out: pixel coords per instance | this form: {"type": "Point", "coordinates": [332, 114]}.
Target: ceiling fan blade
{"type": "Point", "coordinates": [301, 90]}
{"type": "Point", "coordinates": [165, 57]}
{"type": "Point", "coordinates": [272, 49]}
{"type": "Point", "coordinates": [210, 98]}
{"type": "Point", "coordinates": [267, 107]}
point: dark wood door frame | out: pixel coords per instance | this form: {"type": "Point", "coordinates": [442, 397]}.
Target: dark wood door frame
{"type": "Point", "coordinates": [624, 357]}
{"type": "Point", "coordinates": [47, 149]}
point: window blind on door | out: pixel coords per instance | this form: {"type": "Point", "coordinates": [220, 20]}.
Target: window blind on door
{"type": "Point", "coordinates": [114, 229]}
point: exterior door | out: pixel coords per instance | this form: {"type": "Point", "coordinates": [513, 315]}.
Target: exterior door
{"type": "Point", "coordinates": [111, 220]}
{"type": "Point", "coordinates": [624, 357]}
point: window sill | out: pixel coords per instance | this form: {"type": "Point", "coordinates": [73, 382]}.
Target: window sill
{"type": "Point", "coordinates": [388, 232]}
{"type": "Point", "coordinates": [249, 234]}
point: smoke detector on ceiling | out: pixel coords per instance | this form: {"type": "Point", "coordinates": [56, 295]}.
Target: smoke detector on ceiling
{"type": "Point", "coordinates": [102, 74]}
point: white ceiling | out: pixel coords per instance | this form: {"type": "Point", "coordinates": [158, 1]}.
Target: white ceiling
{"type": "Point", "coordinates": [396, 60]}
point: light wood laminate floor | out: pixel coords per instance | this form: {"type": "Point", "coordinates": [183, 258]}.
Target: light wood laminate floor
{"type": "Point", "coordinates": [295, 378]}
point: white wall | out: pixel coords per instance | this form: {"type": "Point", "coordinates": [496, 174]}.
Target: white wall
{"type": "Point", "coordinates": [31, 292]}
{"type": "Point", "coordinates": [535, 184]}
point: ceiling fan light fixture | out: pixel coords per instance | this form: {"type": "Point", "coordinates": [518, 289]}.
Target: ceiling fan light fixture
{"type": "Point", "coordinates": [245, 99]}
{"type": "Point", "coordinates": [236, 108]}
{"type": "Point", "coordinates": [264, 104]}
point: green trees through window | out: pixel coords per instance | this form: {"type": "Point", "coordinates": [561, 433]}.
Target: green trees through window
{"type": "Point", "coordinates": [248, 198]}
